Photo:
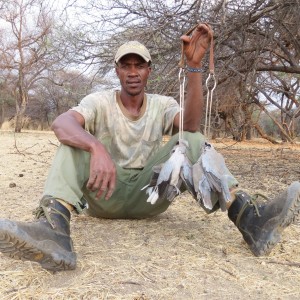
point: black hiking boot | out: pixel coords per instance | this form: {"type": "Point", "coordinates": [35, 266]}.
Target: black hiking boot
{"type": "Point", "coordinates": [46, 240]}
{"type": "Point", "coordinates": [261, 225]}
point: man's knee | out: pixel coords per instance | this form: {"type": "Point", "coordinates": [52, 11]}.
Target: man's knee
{"type": "Point", "coordinates": [195, 141]}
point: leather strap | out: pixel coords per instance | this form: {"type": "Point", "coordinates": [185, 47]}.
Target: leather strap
{"type": "Point", "coordinates": [211, 57]}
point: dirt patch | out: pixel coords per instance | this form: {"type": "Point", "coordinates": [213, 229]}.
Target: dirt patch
{"type": "Point", "coordinates": [181, 254]}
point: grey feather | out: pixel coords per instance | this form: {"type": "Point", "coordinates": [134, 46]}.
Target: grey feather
{"type": "Point", "coordinates": [169, 181]}
{"type": "Point", "coordinates": [205, 189]}
{"type": "Point", "coordinates": [213, 175]}
{"type": "Point", "coordinates": [186, 174]}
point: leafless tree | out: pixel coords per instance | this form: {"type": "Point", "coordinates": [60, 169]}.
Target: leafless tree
{"type": "Point", "coordinates": [258, 46]}
{"type": "Point", "coordinates": [26, 48]}
{"type": "Point", "coordinates": [256, 51]}
{"type": "Point", "coordinates": [53, 100]}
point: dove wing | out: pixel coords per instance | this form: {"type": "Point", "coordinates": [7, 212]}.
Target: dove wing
{"type": "Point", "coordinates": [186, 174]}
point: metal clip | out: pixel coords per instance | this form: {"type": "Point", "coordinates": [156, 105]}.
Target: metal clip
{"type": "Point", "coordinates": [210, 91]}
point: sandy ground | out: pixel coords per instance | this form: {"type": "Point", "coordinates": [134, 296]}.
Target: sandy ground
{"type": "Point", "coordinates": [181, 254]}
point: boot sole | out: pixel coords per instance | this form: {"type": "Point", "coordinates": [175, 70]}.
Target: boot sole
{"type": "Point", "coordinates": [287, 217]}
{"type": "Point", "coordinates": [17, 244]}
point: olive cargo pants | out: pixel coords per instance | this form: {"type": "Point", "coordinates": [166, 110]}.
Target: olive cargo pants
{"type": "Point", "coordinates": [69, 174]}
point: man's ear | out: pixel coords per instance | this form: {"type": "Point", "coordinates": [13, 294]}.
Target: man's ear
{"type": "Point", "coordinates": [117, 70]}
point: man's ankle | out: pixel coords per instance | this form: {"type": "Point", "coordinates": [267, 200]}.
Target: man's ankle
{"type": "Point", "coordinates": [68, 206]}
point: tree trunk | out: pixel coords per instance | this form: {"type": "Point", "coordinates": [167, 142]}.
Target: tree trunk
{"type": "Point", "coordinates": [18, 122]}
{"type": "Point", "coordinates": [2, 113]}
{"type": "Point", "coordinates": [264, 135]}
{"type": "Point", "coordinates": [284, 134]}
{"type": "Point", "coordinates": [248, 133]}
{"type": "Point", "coordinates": [21, 106]}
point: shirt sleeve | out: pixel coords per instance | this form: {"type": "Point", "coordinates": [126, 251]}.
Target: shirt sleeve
{"type": "Point", "coordinates": [88, 109]}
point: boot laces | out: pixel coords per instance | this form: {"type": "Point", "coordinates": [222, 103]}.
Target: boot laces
{"type": "Point", "coordinates": [46, 211]}
{"type": "Point", "coordinates": [253, 203]}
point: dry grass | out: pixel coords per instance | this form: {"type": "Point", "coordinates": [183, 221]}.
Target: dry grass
{"type": "Point", "coordinates": [181, 254]}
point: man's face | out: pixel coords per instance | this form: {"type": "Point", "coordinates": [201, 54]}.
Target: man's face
{"type": "Point", "coordinates": [133, 72]}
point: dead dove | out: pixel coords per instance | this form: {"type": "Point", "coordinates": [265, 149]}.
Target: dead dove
{"type": "Point", "coordinates": [168, 180]}
{"type": "Point", "coordinates": [211, 174]}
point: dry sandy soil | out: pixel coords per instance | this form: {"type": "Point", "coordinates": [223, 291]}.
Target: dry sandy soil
{"type": "Point", "coordinates": [181, 254]}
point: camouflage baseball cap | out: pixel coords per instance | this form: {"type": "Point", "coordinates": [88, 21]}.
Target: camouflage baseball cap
{"type": "Point", "coordinates": [133, 47]}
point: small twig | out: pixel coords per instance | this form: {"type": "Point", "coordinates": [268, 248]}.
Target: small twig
{"type": "Point", "coordinates": [51, 143]}
{"type": "Point", "coordinates": [143, 275]}
{"type": "Point", "coordinates": [30, 147]}
{"type": "Point", "coordinates": [288, 263]}
{"type": "Point", "coordinates": [45, 151]}
{"type": "Point", "coordinates": [38, 161]}
{"type": "Point", "coordinates": [24, 154]}
{"type": "Point", "coordinates": [17, 289]}
{"type": "Point", "coordinates": [21, 152]}
{"type": "Point", "coordinates": [230, 273]}
{"type": "Point", "coordinates": [129, 282]}
{"type": "Point", "coordinates": [229, 146]}
{"type": "Point", "coordinates": [15, 140]}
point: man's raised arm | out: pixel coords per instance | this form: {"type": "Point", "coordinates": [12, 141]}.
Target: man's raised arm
{"type": "Point", "coordinates": [194, 47]}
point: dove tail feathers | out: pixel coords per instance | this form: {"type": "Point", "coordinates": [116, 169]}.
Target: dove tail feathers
{"type": "Point", "coordinates": [153, 197]}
